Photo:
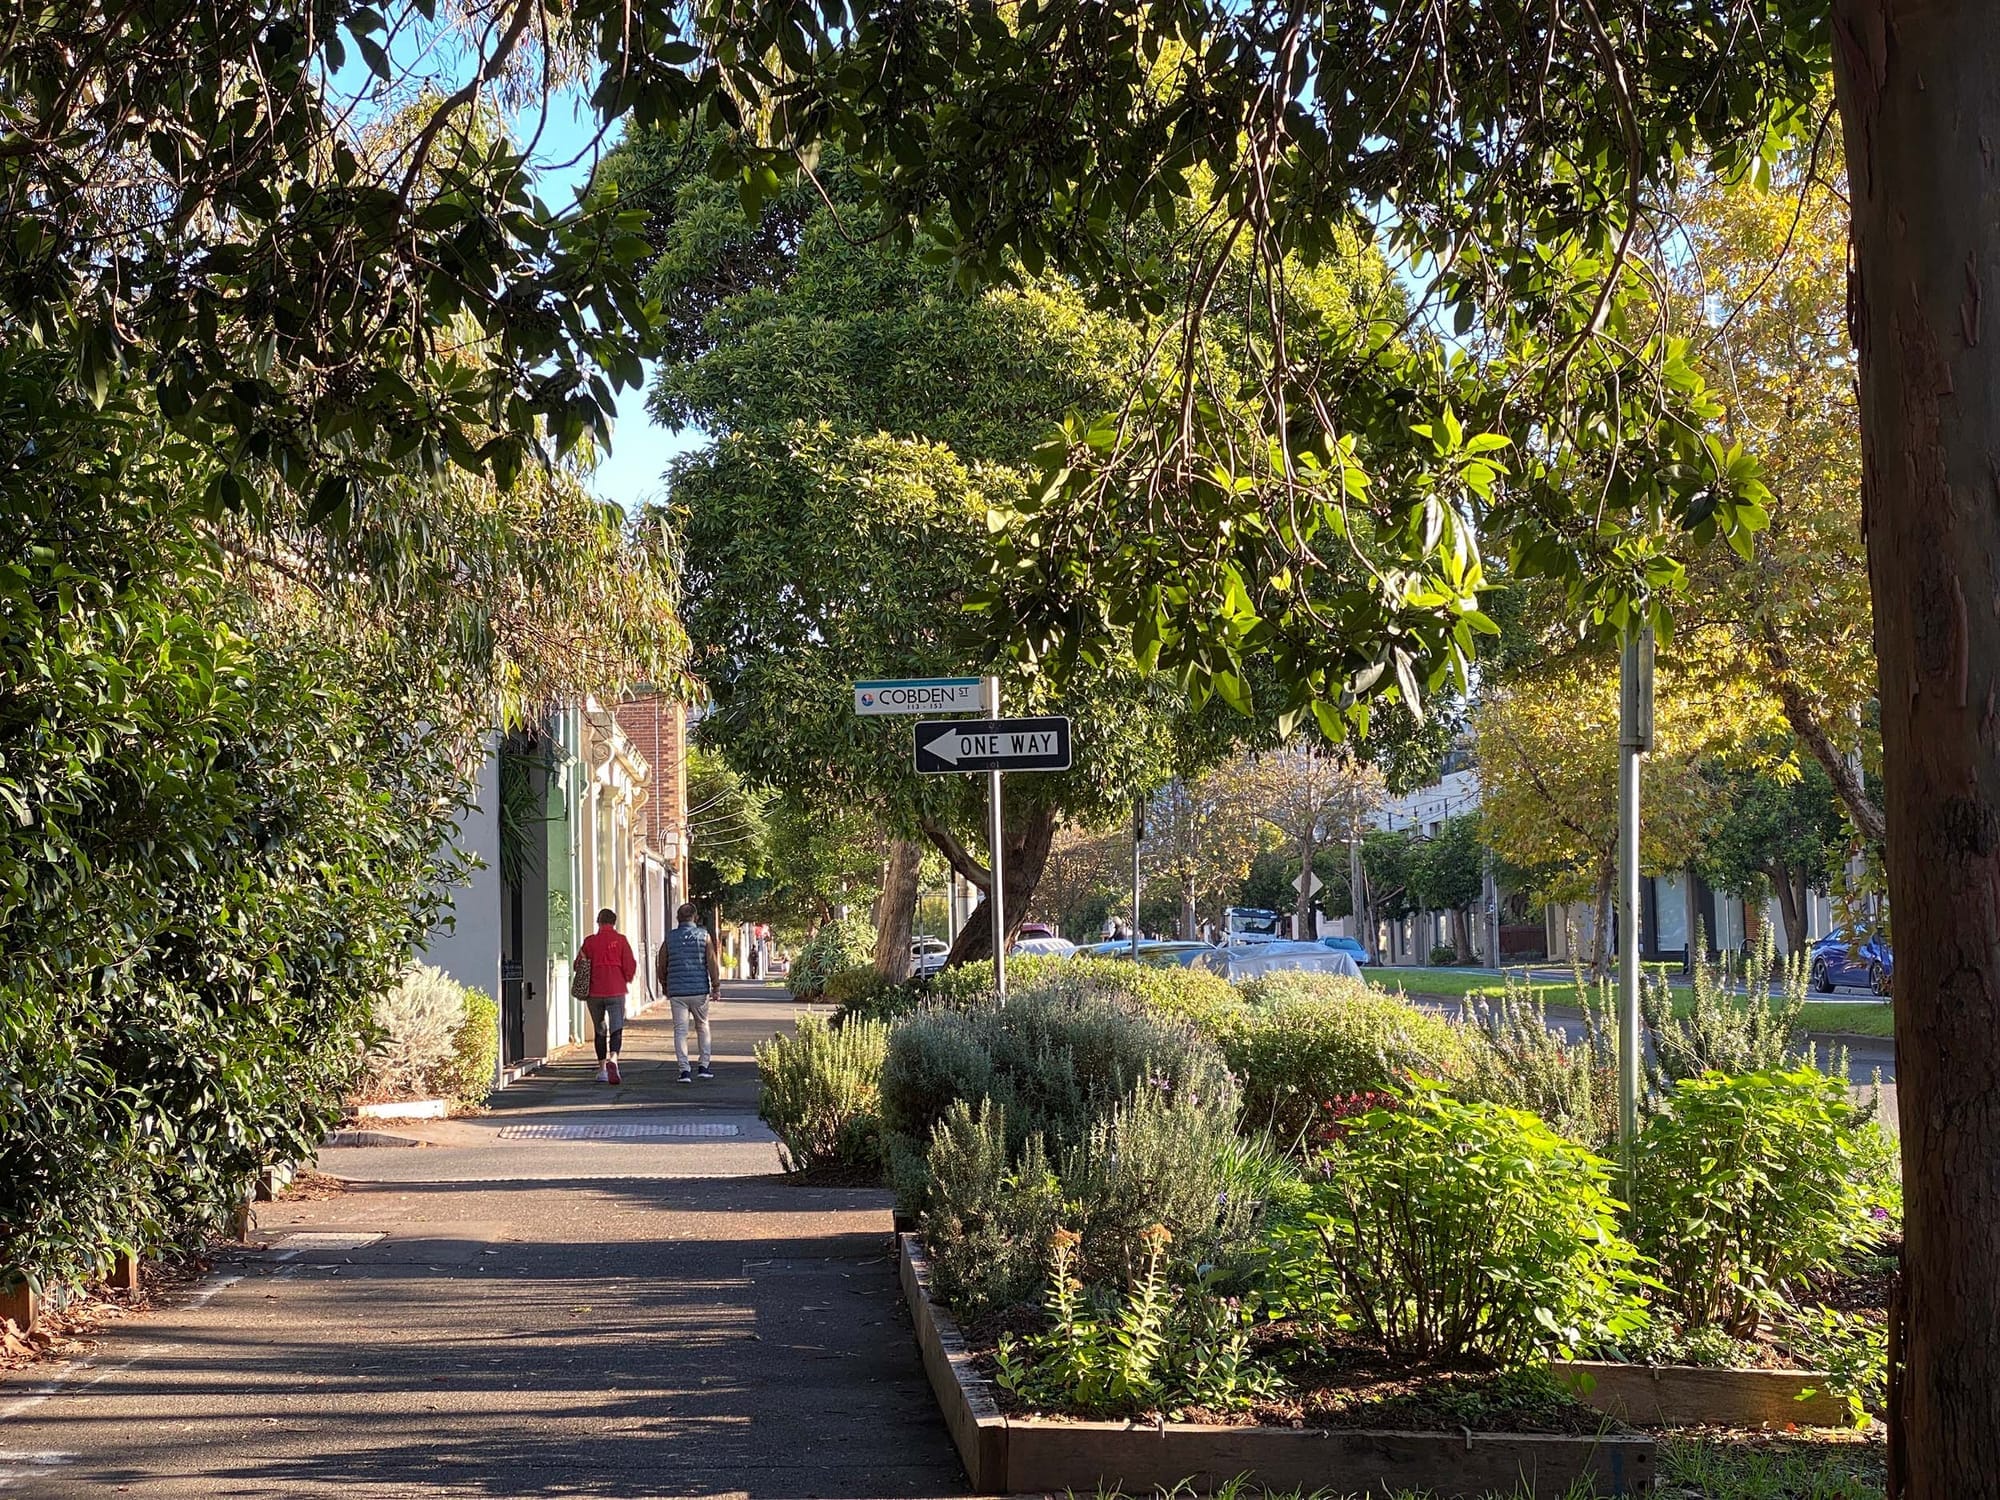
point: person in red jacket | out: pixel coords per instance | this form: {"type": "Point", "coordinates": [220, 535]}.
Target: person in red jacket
{"type": "Point", "coordinates": [612, 966]}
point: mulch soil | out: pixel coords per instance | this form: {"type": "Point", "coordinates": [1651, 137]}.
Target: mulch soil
{"type": "Point", "coordinates": [1862, 1285]}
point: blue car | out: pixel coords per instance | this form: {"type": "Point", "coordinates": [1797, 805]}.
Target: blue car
{"type": "Point", "coordinates": [1350, 946]}
{"type": "Point", "coordinates": [1847, 957]}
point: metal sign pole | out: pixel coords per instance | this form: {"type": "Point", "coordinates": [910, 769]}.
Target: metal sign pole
{"type": "Point", "coordinates": [1635, 738]}
{"type": "Point", "coordinates": [997, 888]}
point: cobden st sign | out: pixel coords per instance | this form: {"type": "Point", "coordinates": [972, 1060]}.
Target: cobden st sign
{"type": "Point", "coordinates": [945, 746]}
{"type": "Point", "coordinates": [923, 695]}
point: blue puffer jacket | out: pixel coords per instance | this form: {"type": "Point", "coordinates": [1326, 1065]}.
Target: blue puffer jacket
{"type": "Point", "coordinates": [687, 960]}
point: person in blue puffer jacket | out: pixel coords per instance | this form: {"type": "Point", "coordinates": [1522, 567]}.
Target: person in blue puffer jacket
{"type": "Point", "coordinates": [690, 971]}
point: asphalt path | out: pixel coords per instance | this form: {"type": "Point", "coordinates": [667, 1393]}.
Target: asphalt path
{"type": "Point", "coordinates": [587, 1292]}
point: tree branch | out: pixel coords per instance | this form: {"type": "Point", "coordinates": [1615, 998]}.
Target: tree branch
{"type": "Point", "coordinates": [957, 856]}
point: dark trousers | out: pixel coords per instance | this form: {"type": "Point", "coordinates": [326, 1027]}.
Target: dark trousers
{"type": "Point", "coordinates": [607, 1018]}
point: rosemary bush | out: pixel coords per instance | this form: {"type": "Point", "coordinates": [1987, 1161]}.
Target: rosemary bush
{"type": "Point", "coordinates": [1302, 1047]}
{"type": "Point", "coordinates": [1528, 1064]}
{"type": "Point", "coordinates": [989, 1210]}
{"type": "Point", "coordinates": [1744, 1019]}
{"type": "Point", "coordinates": [822, 1093]}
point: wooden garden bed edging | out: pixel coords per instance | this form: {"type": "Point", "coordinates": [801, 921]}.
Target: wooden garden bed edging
{"type": "Point", "coordinates": [1692, 1396]}
{"type": "Point", "coordinates": [1006, 1455]}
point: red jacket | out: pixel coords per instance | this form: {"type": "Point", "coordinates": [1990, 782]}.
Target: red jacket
{"type": "Point", "coordinates": [611, 962]}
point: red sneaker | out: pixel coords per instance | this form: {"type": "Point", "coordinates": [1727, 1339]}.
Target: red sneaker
{"type": "Point", "coordinates": [612, 1070]}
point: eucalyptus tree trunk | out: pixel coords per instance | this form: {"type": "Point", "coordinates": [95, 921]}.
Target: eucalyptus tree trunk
{"type": "Point", "coordinates": [1919, 91]}
{"type": "Point", "coordinates": [1026, 855]}
{"type": "Point", "coordinates": [896, 909]}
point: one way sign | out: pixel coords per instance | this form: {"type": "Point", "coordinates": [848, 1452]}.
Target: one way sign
{"type": "Point", "coordinates": [948, 745]}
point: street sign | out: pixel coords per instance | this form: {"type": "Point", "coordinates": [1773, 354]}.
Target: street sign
{"type": "Point", "coordinates": [948, 745]}
{"type": "Point", "coordinates": [1301, 884]}
{"type": "Point", "coordinates": [922, 695]}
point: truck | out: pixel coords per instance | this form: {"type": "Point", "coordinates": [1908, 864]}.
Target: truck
{"type": "Point", "coordinates": [1252, 924]}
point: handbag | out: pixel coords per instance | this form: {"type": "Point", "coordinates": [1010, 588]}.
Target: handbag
{"type": "Point", "coordinates": [579, 978]}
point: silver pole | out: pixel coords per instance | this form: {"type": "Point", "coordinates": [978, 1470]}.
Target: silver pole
{"type": "Point", "coordinates": [997, 890]}
{"type": "Point", "coordinates": [1635, 738]}
{"type": "Point", "coordinates": [1138, 833]}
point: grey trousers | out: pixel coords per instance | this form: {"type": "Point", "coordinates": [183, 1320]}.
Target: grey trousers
{"type": "Point", "coordinates": [684, 1007]}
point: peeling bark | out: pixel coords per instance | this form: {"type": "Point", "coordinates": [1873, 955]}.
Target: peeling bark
{"type": "Point", "coordinates": [1919, 91]}
{"type": "Point", "coordinates": [896, 910]}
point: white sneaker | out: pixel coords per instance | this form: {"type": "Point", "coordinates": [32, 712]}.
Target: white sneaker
{"type": "Point", "coordinates": [604, 1074]}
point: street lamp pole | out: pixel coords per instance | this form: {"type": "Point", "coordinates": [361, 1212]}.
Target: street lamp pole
{"type": "Point", "coordinates": [1635, 739]}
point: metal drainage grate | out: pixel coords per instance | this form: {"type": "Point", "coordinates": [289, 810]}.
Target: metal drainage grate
{"type": "Point", "coordinates": [704, 1130]}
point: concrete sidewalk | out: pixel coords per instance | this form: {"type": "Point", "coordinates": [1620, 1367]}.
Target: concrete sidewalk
{"type": "Point", "coordinates": [513, 1314]}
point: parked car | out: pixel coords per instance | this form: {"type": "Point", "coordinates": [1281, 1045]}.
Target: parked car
{"type": "Point", "coordinates": [1037, 929]}
{"type": "Point", "coordinates": [1845, 956]}
{"type": "Point", "coordinates": [1044, 945]}
{"type": "Point", "coordinates": [1241, 961]}
{"type": "Point", "coordinates": [1350, 946]}
{"type": "Point", "coordinates": [927, 956]}
{"type": "Point", "coordinates": [1159, 952]}
{"type": "Point", "coordinates": [1171, 955]}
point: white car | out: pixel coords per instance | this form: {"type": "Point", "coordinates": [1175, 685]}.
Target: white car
{"type": "Point", "coordinates": [1243, 961]}
{"type": "Point", "coordinates": [927, 956]}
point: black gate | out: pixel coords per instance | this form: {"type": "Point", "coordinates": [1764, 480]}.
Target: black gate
{"type": "Point", "coordinates": [513, 1012]}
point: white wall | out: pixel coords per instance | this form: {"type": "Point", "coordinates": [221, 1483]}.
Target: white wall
{"type": "Point", "coordinates": [467, 947]}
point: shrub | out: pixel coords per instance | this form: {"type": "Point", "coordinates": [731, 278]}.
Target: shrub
{"type": "Point", "coordinates": [1446, 1228]}
{"type": "Point", "coordinates": [846, 944]}
{"type": "Point", "coordinates": [1528, 1064]}
{"type": "Point", "coordinates": [856, 987]}
{"type": "Point", "coordinates": [1309, 1040]}
{"type": "Point", "coordinates": [989, 1210]}
{"type": "Point", "coordinates": [1158, 1349]}
{"type": "Point", "coordinates": [1162, 1159]}
{"type": "Point", "coordinates": [1443, 956]}
{"type": "Point", "coordinates": [1197, 996]}
{"type": "Point", "coordinates": [415, 1052]}
{"type": "Point", "coordinates": [1736, 1024]}
{"type": "Point", "coordinates": [822, 1093]}
{"type": "Point", "coordinates": [1853, 1350]}
{"type": "Point", "coordinates": [1745, 1185]}
{"type": "Point", "coordinates": [475, 1052]}
{"type": "Point", "coordinates": [1054, 1057]}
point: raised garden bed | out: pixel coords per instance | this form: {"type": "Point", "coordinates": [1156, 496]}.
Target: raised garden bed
{"type": "Point", "coordinates": [1007, 1454]}
{"type": "Point", "coordinates": [1694, 1396]}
